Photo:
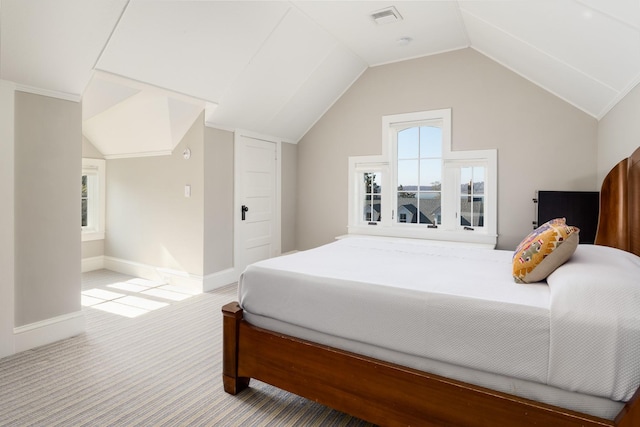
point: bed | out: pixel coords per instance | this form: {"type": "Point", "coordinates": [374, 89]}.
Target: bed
{"type": "Point", "coordinates": [485, 352]}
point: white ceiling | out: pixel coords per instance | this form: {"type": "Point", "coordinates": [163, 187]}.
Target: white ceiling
{"type": "Point", "coordinates": [145, 69]}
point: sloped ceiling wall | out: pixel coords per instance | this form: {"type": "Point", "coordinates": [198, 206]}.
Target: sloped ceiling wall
{"type": "Point", "coordinates": [145, 69]}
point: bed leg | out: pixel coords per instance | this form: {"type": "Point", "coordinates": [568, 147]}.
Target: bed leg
{"type": "Point", "coordinates": [232, 315]}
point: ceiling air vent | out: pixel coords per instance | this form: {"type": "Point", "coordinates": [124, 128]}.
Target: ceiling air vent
{"type": "Point", "coordinates": [386, 16]}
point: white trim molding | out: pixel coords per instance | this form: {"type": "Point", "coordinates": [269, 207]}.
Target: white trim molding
{"type": "Point", "coordinates": [160, 274]}
{"type": "Point", "coordinates": [219, 279]}
{"type": "Point", "coordinates": [142, 154]}
{"type": "Point", "coordinates": [50, 93]}
{"type": "Point", "coordinates": [47, 331]}
{"type": "Point", "coordinates": [91, 264]}
{"type": "Point", "coordinates": [7, 216]}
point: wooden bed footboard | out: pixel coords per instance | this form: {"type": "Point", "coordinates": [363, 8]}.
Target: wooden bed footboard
{"type": "Point", "coordinates": [379, 392]}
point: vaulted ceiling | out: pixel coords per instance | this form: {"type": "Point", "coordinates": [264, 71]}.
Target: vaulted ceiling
{"type": "Point", "coordinates": [146, 69]}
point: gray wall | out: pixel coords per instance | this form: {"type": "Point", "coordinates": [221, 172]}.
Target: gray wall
{"type": "Point", "coordinates": [149, 220]}
{"type": "Point", "coordinates": [48, 139]}
{"type": "Point", "coordinates": [289, 190]}
{"type": "Point", "coordinates": [543, 142]}
{"type": "Point", "coordinates": [619, 132]}
{"type": "Point", "coordinates": [218, 202]}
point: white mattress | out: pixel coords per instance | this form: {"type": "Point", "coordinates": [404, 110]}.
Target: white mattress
{"type": "Point", "coordinates": [455, 305]}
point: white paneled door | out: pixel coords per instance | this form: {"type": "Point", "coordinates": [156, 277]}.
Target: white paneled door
{"type": "Point", "coordinates": [256, 200]}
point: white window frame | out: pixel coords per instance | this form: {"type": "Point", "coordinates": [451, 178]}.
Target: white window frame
{"type": "Point", "coordinates": [96, 195]}
{"type": "Point", "coordinates": [452, 171]}
{"type": "Point", "coordinates": [357, 167]}
{"type": "Point", "coordinates": [450, 229]}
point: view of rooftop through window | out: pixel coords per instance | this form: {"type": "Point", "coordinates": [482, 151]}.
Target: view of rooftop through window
{"type": "Point", "coordinates": [372, 197]}
{"type": "Point", "coordinates": [419, 169]}
{"type": "Point", "coordinates": [472, 196]}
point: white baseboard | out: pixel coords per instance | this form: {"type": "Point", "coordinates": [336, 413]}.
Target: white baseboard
{"type": "Point", "coordinates": [47, 331]}
{"type": "Point", "coordinates": [174, 277]}
{"type": "Point", "coordinates": [93, 263]}
{"type": "Point", "coordinates": [217, 280]}
{"type": "Point", "coordinates": [159, 274]}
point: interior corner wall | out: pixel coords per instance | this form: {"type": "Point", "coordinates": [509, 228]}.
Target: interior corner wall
{"type": "Point", "coordinates": [218, 203]}
{"type": "Point", "coordinates": [289, 189]}
{"type": "Point", "coordinates": [48, 139]}
{"type": "Point", "coordinates": [149, 221]}
{"type": "Point", "coordinates": [6, 218]}
{"type": "Point", "coordinates": [619, 132]}
{"type": "Point", "coordinates": [89, 151]}
{"type": "Point", "coordinates": [543, 142]}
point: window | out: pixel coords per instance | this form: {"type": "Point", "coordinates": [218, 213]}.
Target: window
{"type": "Point", "coordinates": [422, 188]}
{"type": "Point", "coordinates": [372, 207]}
{"type": "Point", "coordinates": [471, 196]}
{"type": "Point", "coordinates": [366, 184]}
{"type": "Point", "coordinates": [419, 173]}
{"type": "Point", "coordinates": [93, 199]}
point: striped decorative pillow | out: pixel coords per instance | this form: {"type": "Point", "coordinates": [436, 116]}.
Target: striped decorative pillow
{"type": "Point", "coordinates": [543, 250]}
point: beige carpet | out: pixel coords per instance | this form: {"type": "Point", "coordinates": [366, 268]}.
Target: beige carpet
{"type": "Point", "coordinates": [160, 368]}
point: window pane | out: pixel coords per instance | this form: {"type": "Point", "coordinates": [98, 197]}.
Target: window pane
{"type": "Point", "coordinates": [84, 213]}
{"type": "Point", "coordinates": [465, 211]}
{"type": "Point", "coordinates": [409, 143]}
{"type": "Point", "coordinates": [472, 211]}
{"type": "Point", "coordinates": [84, 185]}
{"type": "Point", "coordinates": [478, 180]}
{"type": "Point", "coordinates": [430, 208]}
{"type": "Point", "coordinates": [85, 203]}
{"type": "Point", "coordinates": [430, 141]}
{"type": "Point", "coordinates": [372, 180]}
{"type": "Point", "coordinates": [407, 208]}
{"type": "Point", "coordinates": [466, 175]}
{"type": "Point", "coordinates": [430, 175]}
{"type": "Point", "coordinates": [368, 180]}
{"type": "Point", "coordinates": [366, 211]}
{"type": "Point", "coordinates": [372, 195]}
{"type": "Point", "coordinates": [408, 175]}
{"type": "Point", "coordinates": [472, 196]}
{"type": "Point", "coordinates": [372, 212]}
{"type": "Point", "coordinates": [472, 180]}
{"type": "Point", "coordinates": [478, 211]}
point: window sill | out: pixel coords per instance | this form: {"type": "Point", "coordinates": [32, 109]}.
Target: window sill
{"type": "Point", "coordinates": [88, 236]}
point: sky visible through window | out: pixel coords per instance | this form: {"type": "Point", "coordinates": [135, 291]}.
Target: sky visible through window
{"type": "Point", "coordinates": [419, 157]}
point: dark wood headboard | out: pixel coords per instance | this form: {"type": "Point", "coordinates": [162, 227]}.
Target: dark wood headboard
{"type": "Point", "coordinates": [619, 221]}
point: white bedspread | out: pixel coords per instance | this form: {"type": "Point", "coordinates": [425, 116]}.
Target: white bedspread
{"type": "Point", "coordinates": [453, 304]}
{"type": "Point", "coordinates": [595, 323]}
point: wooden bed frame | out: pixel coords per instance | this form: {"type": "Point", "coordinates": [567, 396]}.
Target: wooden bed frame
{"type": "Point", "coordinates": [392, 395]}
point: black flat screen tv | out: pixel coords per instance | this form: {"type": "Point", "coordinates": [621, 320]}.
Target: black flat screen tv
{"type": "Point", "coordinates": [580, 208]}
